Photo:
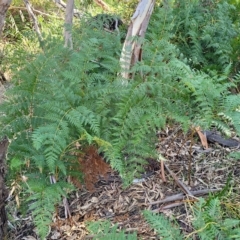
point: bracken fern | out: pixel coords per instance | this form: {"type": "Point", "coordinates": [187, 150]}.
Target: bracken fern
{"type": "Point", "coordinates": [66, 96]}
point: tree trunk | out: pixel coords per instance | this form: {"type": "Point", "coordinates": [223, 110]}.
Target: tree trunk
{"type": "Point", "coordinates": [3, 190]}
{"type": "Point", "coordinates": [131, 52]}
{"type": "Point", "coordinates": [4, 5]}
{"type": "Point", "coordinates": [68, 24]}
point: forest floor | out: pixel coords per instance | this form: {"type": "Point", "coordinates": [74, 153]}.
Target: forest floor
{"type": "Point", "coordinates": [199, 169]}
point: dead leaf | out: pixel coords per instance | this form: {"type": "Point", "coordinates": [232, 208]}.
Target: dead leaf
{"type": "Point", "coordinates": [202, 137]}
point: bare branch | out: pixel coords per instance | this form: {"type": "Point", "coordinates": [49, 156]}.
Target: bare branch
{"type": "Point", "coordinates": [34, 19]}
{"type": "Point", "coordinates": [181, 196]}
{"type": "Point", "coordinates": [102, 4]}
{"type": "Point", "coordinates": [63, 6]}
{"type": "Point", "coordinates": [37, 11]}
{"type": "Point", "coordinates": [178, 182]}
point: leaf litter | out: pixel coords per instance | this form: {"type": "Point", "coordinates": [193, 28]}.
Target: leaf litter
{"type": "Point", "coordinates": [200, 171]}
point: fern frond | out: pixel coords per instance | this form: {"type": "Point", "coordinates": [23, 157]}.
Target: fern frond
{"type": "Point", "coordinates": [104, 231]}
{"type": "Point", "coordinates": [164, 227]}
{"type": "Point", "coordinates": [210, 223]}
{"type": "Point", "coordinates": [42, 200]}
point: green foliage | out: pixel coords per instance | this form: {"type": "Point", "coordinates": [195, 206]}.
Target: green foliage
{"type": "Point", "coordinates": [21, 42]}
{"type": "Point", "coordinates": [210, 223]}
{"type": "Point", "coordinates": [235, 155]}
{"type": "Point", "coordinates": [204, 31]}
{"type": "Point", "coordinates": [42, 199]}
{"type": "Point", "coordinates": [62, 96]}
{"type": "Point", "coordinates": [162, 226]}
{"type": "Point", "coordinates": [126, 9]}
{"type": "Point", "coordinates": [104, 231]}
{"type": "Point", "coordinates": [203, 98]}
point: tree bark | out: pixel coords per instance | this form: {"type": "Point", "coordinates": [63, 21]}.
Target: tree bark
{"type": "Point", "coordinates": [3, 190]}
{"type": "Point", "coordinates": [131, 52]}
{"type": "Point", "coordinates": [4, 5]}
{"type": "Point", "coordinates": [68, 24]}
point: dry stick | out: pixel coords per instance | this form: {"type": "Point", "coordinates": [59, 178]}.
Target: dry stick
{"type": "Point", "coordinates": [168, 206]}
{"type": "Point", "coordinates": [172, 205]}
{"type": "Point", "coordinates": [163, 172]}
{"type": "Point", "coordinates": [67, 211]}
{"type": "Point", "coordinates": [181, 196]}
{"type": "Point", "coordinates": [190, 158]}
{"type": "Point", "coordinates": [34, 19]}
{"type": "Point", "coordinates": [65, 202]}
{"type": "Point", "coordinates": [62, 5]}
{"type": "Point", "coordinates": [179, 183]}
{"type": "Point", "coordinates": [171, 135]}
{"type": "Point", "coordinates": [34, 10]}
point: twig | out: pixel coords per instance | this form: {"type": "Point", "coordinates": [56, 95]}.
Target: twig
{"type": "Point", "coordinates": [65, 202]}
{"type": "Point", "coordinates": [162, 168]}
{"type": "Point", "coordinates": [62, 5]}
{"type": "Point", "coordinates": [37, 11]}
{"type": "Point", "coordinates": [179, 183]}
{"type": "Point", "coordinates": [34, 19]}
{"type": "Point", "coordinates": [66, 208]}
{"type": "Point", "coordinates": [171, 135]}
{"type": "Point", "coordinates": [168, 206]}
{"type": "Point", "coordinates": [163, 172]}
{"type": "Point", "coordinates": [181, 196]}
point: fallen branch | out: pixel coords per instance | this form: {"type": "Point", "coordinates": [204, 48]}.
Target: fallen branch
{"type": "Point", "coordinates": [179, 183]}
{"type": "Point", "coordinates": [181, 196]}
{"type": "Point", "coordinates": [183, 200]}
{"type": "Point", "coordinates": [172, 205]}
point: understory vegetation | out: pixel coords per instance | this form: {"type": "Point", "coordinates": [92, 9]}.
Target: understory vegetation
{"type": "Point", "coordinates": [208, 221]}
{"type": "Point", "coordinates": [63, 98]}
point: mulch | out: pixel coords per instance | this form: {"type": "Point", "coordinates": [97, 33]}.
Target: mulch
{"type": "Point", "coordinates": [199, 170]}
